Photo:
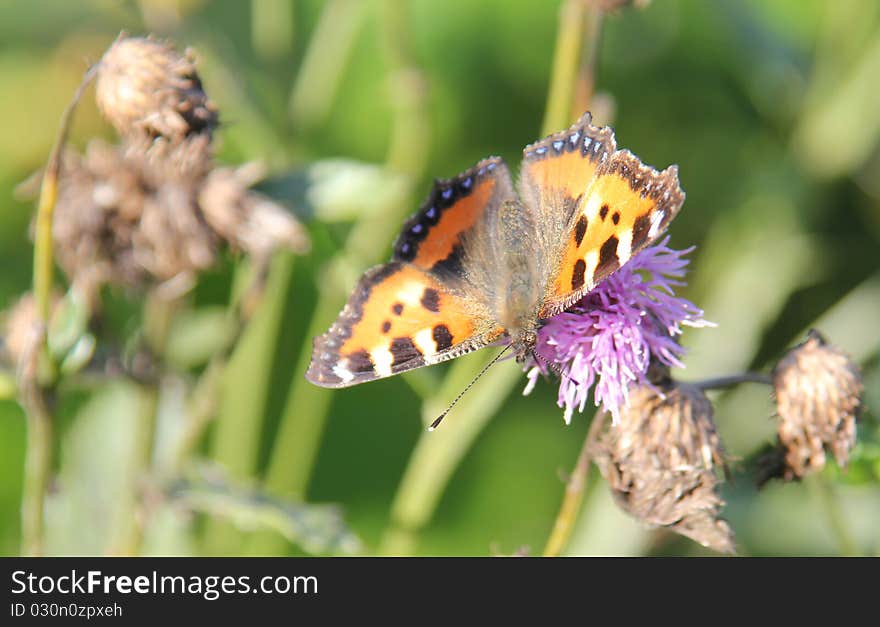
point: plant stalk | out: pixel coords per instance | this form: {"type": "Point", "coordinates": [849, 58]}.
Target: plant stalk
{"type": "Point", "coordinates": [573, 499]}
{"type": "Point", "coordinates": [32, 379]}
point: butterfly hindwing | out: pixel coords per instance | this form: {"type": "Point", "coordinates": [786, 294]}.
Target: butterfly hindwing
{"type": "Point", "coordinates": [627, 206]}
{"type": "Point", "coordinates": [417, 309]}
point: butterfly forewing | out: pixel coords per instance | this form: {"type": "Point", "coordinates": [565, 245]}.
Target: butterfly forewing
{"type": "Point", "coordinates": [626, 207]}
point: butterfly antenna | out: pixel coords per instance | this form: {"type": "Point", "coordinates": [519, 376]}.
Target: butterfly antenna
{"type": "Point", "coordinates": [561, 372]}
{"type": "Point", "coordinates": [440, 418]}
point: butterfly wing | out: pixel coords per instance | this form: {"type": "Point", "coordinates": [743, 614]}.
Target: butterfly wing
{"type": "Point", "coordinates": [419, 309]}
{"type": "Point", "coordinates": [598, 205]}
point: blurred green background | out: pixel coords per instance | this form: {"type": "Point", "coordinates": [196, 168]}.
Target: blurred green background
{"type": "Point", "coordinates": [770, 109]}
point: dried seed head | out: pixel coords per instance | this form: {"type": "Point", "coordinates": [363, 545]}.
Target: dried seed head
{"type": "Point", "coordinates": [120, 220]}
{"type": "Point", "coordinates": [818, 398]}
{"type": "Point", "coordinates": [246, 219]}
{"type": "Point", "coordinates": [153, 208]}
{"type": "Point", "coordinates": [146, 89]}
{"type": "Point", "coordinates": [117, 222]}
{"type": "Point", "coordinates": [662, 460]}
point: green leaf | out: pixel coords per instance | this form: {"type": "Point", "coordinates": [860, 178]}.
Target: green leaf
{"type": "Point", "coordinates": [69, 324]}
{"type": "Point", "coordinates": [318, 529]}
{"type": "Point", "coordinates": [196, 335]}
{"type": "Point", "coordinates": [337, 190]}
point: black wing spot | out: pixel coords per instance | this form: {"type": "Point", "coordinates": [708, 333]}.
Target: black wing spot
{"type": "Point", "coordinates": [603, 212]}
{"type": "Point", "coordinates": [360, 361]}
{"type": "Point", "coordinates": [431, 299]}
{"type": "Point", "coordinates": [641, 228]}
{"type": "Point", "coordinates": [577, 276]}
{"type": "Point", "coordinates": [615, 217]}
{"type": "Point", "coordinates": [580, 230]}
{"type": "Point", "coordinates": [397, 309]}
{"type": "Point", "coordinates": [403, 350]}
{"type": "Point", "coordinates": [608, 261]}
{"type": "Point", "coordinates": [442, 337]}
{"type": "Point", "coordinates": [386, 326]}
{"type": "Point", "coordinates": [451, 266]}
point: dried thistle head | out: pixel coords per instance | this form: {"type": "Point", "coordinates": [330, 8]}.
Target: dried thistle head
{"type": "Point", "coordinates": [662, 461]}
{"type": "Point", "coordinates": [146, 88]}
{"type": "Point", "coordinates": [100, 202]}
{"type": "Point", "coordinates": [818, 399]}
{"type": "Point", "coordinates": [246, 219]}
{"type": "Point", "coordinates": [116, 222]}
{"type": "Point", "coordinates": [153, 209]}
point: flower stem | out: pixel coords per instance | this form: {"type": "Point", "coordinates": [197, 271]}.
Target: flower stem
{"type": "Point", "coordinates": [128, 535]}
{"type": "Point", "coordinates": [721, 383]}
{"type": "Point", "coordinates": [438, 453]}
{"type": "Point", "coordinates": [326, 57]}
{"type": "Point", "coordinates": [32, 382]}
{"type": "Point", "coordinates": [569, 42]}
{"type": "Point", "coordinates": [43, 251]}
{"type": "Point", "coordinates": [38, 464]}
{"type": "Point", "coordinates": [586, 78]}
{"type": "Point", "coordinates": [574, 493]}
{"type": "Point", "coordinates": [253, 325]}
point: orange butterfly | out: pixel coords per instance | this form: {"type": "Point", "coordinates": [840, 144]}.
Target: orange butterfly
{"type": "Point", "coordinates": [479, 263]}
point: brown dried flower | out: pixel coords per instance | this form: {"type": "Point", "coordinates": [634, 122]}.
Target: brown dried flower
{"type": "Point", "coordinates": [146, 88]}
{"type": "Point", "coordinates": [116, 223]}
{"type": "Point", "coordinates": [154, 208]}
{"type": "Point", "coordinates": [818, 399]}
{"type": "Point", "coordinates": [118, 220]}
{"type": "Point", "coordinates": [246, 219]}
{"type": "Point", "coordinates": [662, 459]}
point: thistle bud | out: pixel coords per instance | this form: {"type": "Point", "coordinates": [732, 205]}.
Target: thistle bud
{"type": "Point", "coordinates": [662, 459]}
{"type": "Point", "coordinates": [146, 89]}
{"type": "Point", "coordinates": [818, 398]}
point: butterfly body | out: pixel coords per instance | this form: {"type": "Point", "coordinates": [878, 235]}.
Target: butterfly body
{"type": "Point", "coordinates": [484, 262]}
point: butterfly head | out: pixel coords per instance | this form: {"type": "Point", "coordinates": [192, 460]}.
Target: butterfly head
{"type": "Point", "coordinates": [523, 342]}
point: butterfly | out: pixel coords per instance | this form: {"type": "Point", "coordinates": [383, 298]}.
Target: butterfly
{"type": "Point", "coordinates": [484, 262]}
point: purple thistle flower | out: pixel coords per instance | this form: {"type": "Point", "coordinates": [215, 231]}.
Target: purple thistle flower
{"type": "Point", "coordinates": [610, 336]}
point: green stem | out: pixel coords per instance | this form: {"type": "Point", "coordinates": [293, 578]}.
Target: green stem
{"type": "Point", "coordinates": [732, 380]}
{"type": "Point", "coordinates": [586, 80]}
{"type": "Point", "coordinates": [573, 500]}
{"type": "Point", "coordinates": [240, 384]}
{"type": "Point", "coordinates": [272, 28]}
{"type": "Point", "coordinates": [566, 57]}
{"type": "Point", "coordinates": [38, 456]}
{"type": "Point", "coordinates": [438, 453]}
{"type": "Point", "coordinates": [128, 535]}
{"type": "Point", "coordinates": [325, 59]}
{"type": "Point", "coordinates": [38, 464]}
